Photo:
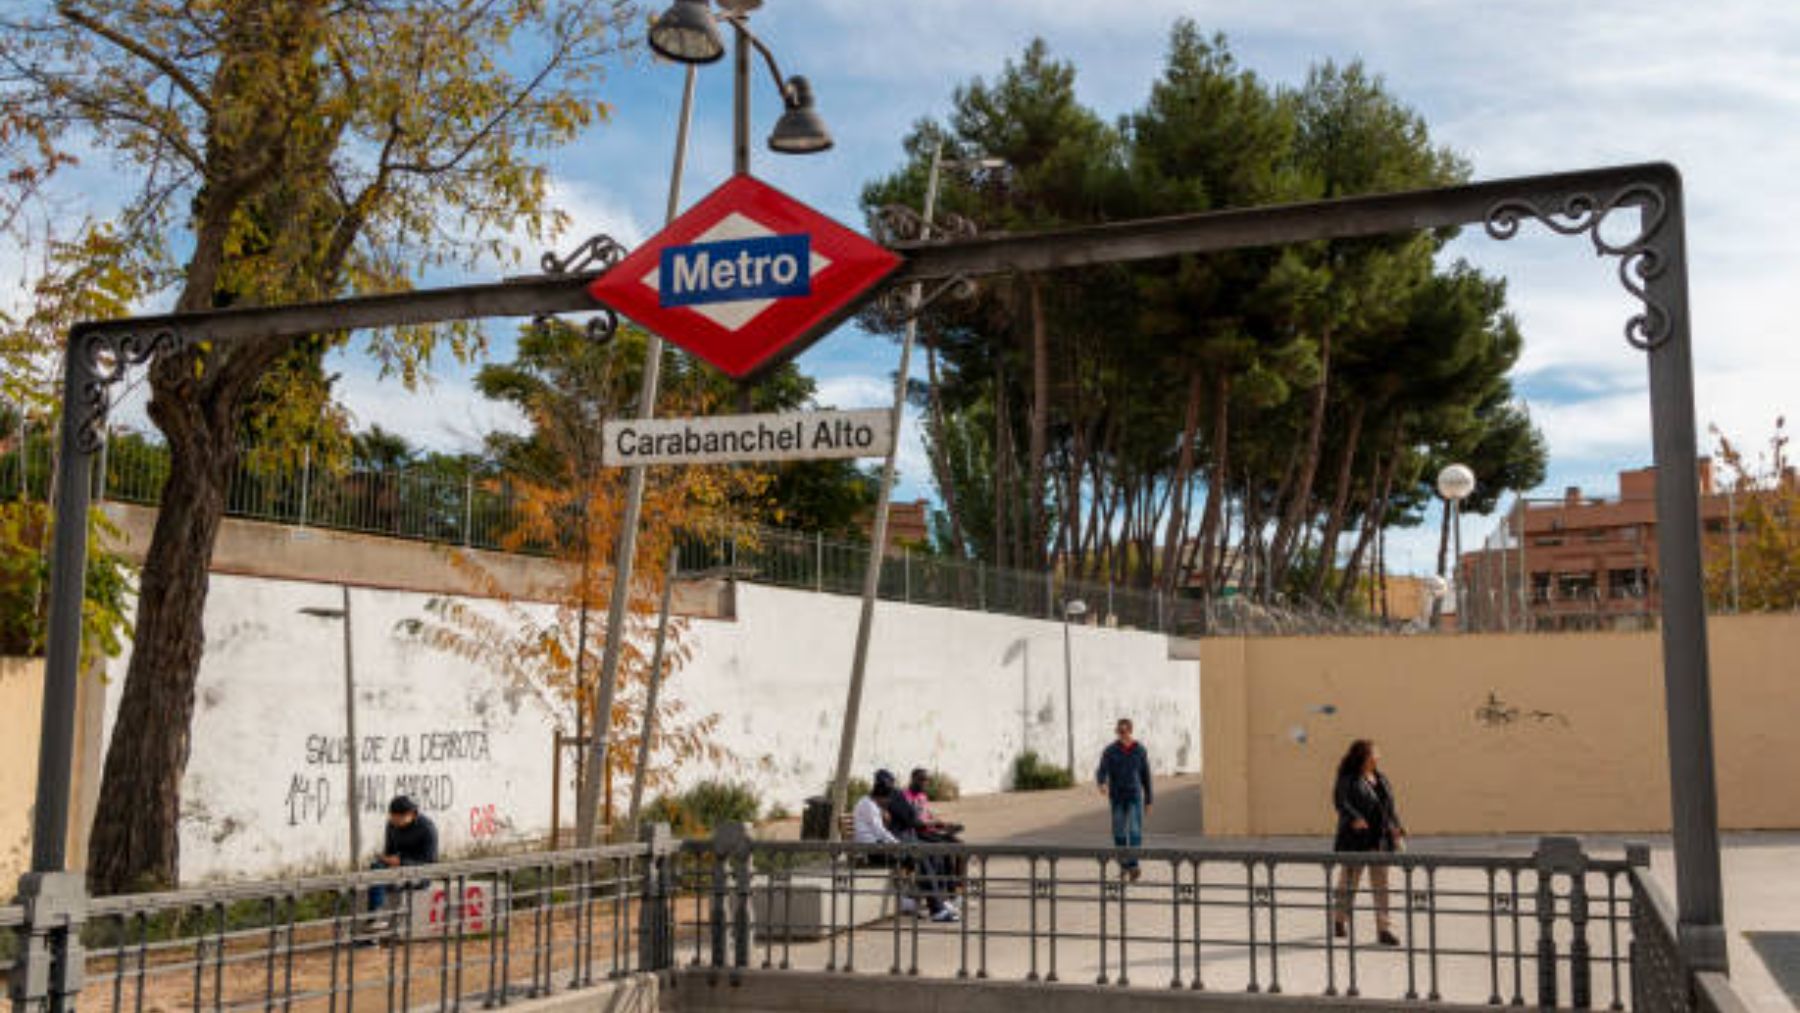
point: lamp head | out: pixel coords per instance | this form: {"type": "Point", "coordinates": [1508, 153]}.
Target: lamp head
{"type": "Point", "coordinates": [686, 33]}
{"type": "Point", "coordinates": [1456, 482]}
{"type": "Point", "coordinates": [800, 131]}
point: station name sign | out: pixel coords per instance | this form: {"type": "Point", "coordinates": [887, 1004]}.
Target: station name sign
{"type": "Point", "coordinates": [724, 439]}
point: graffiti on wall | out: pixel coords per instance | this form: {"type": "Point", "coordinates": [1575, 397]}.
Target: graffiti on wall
{"type": "Point", "coordinates": [420, 765]}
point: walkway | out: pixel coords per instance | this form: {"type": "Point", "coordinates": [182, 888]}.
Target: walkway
{"type": "Point", "coordinates": [1761, 870]}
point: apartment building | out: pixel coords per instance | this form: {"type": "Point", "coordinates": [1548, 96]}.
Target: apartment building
{"type": "Point", "coordinates": [1580, 562]}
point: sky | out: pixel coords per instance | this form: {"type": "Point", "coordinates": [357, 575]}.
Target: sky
{"type": "Point", "coordinates": [1516, 86]}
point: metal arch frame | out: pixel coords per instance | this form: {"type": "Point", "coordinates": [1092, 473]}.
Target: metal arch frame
{"type": "Point", "coordinates": [1652, 267]}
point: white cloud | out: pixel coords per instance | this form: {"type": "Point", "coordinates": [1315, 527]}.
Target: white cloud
{"type": "Point", "coordinates": [854, 391]}
{"type": "Point", "coordinates": [442, 414]}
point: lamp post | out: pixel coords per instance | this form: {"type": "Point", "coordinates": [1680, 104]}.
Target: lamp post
{"type": "Point", "coordinates": [865, 623]}
{"type": "Point", "coordinates": [350, 747]}
{"type": "Point", "coordinates": [1074, 608]}
{"type": "Point", "coordinates": [1454, 484]}
{"type": "Point", "coordinates": [687, 33]}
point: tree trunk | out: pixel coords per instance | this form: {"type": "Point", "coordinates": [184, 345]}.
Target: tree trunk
{"type": "Point", "coordinates": [940, 455]}
{"type": "Point", "coordinates": [997, 469]}
{"type": "Point", "coordinates": [1381, 486]}
{"type": "Point", "coordinates": [1216, 483]}
{"type": "Point", "coordinates": [1040, 424]}
{"type": "Point", "coordinates": [1300, 504]}
{"type": "Point", "coordinates": [1380, 583]}
{"type": "Point", "coordinates": [1184, 467]}
{"type": "Point", "coordinates": [1353, 566]}
{"type": "Point", "coordinates": [135, 844]}
{"type": "Point", "coordinates": [1340, 503]}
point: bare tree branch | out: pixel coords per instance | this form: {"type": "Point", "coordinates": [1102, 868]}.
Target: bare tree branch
{"type": "Point", "coordinates": [80, 18]}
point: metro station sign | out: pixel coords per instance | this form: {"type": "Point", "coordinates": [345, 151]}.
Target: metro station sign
{"type": "Point", "coordinates": [746, 278]}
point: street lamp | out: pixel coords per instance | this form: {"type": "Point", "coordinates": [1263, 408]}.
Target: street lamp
{"type": "Point", "coordinates": [1455, 483]}
{"type": "Point", "coordinates": [350, 748]}
{"type": "Point", "coordinates": [800, 131]}
{"type": "Point", "coordinates": [1074, 608]}
{"type": "Point", "coordinates": [865, 621]}
{"type": "Point", "coordinates": [687, 33]}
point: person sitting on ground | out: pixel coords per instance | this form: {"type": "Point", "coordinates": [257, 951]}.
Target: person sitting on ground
{"type": "Point", "coordinates": [875, 822]}
{"type": "Point", "coordinates": [411, 839]}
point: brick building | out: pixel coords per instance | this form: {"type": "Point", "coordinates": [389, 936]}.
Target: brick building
{"type": "Point", "coordinates": [1582, 562]}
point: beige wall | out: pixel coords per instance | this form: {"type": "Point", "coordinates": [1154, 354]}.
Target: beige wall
{"type": "Point", "coordinates": [21, 703]}
{"type": "Point", "coordinates": [21, 695]}
{"type": "Point", "coordinates": [1494, 733]}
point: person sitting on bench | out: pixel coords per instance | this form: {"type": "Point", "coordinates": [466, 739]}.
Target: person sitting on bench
{"type": "Point", "coordinates": [873, 815]}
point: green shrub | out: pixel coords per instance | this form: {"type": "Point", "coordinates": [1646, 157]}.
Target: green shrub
{"type": "Point", "coordinates": [711, 803]}
{"type": "Point", "coordinates": [699, 810]}
{"type": "Point", "coordinates": [1032, 773]}
{"type": "Point", "coordinates": [670, 810]}
{"type": "Point", "coordinates": [942, 787]}
{"type": "Point", "coordinates": [777, 811]}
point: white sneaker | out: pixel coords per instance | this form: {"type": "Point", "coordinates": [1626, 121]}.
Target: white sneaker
{"type": "Point", "coordinates": [946, 914]}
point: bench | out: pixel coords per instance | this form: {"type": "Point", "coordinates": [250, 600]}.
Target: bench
{"type": "Point", "coordinates": [798, 909]}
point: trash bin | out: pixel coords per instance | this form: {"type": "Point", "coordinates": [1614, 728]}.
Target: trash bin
{"type": "Point", "coordinates": [815, 821]}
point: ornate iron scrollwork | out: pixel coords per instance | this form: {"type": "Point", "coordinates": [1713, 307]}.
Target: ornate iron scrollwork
{"type": "Point", "coordinates": [897, 223]}
{"type": "Point", "coordinates": [896, 303]}
{"type": "Point", "coordinates": [600, 250]}
{"type": "Point", "coordinates": [1640, 258]}
{"type": "Point", "coordinates": [597, 252]}
{"type": "Point", "coordinates": [102, 357]}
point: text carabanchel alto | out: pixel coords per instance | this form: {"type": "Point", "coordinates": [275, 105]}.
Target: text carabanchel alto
{"type": "Point", "coordinates": [785, 436]}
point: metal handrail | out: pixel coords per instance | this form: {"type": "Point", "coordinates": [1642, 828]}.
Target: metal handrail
{"type": "Point", "coordinates": [227, 892]}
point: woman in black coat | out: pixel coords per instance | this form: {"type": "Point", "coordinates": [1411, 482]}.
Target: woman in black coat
{"type": "Point", "coordinates": [1366, 821]}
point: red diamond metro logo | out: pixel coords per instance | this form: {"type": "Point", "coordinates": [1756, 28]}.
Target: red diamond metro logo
{"type": "Point", "coordinates": [746, 278]}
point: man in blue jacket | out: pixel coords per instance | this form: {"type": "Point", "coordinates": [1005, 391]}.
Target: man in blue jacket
{"type": "Point", "coordinates": [1124, 778]}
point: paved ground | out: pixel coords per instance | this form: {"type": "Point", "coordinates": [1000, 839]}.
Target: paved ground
{"type": "Point", "coordinates": [1761, 870]}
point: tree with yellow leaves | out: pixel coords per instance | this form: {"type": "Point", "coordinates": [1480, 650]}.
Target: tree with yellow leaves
{"type": "Point", "coordinates": [1761, 573]}
{"type": "Point", "coordinates": [568, 384]}
{"type": "Point", "coordinates": [278, 152]}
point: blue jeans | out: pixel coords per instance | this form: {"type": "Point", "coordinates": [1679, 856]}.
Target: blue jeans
{"type": "Point", "coordinates": [1128, 826]}
{"type": "Point", "coordinates": [378, 894]}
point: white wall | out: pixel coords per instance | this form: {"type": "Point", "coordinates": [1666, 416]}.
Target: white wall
{"type": "Point", "coordinates": [962, 692]}
{"type": "Point", "coordinates": [265, 789]}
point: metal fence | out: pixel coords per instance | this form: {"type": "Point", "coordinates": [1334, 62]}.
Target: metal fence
{"type": "Point", "coordinates": [1552, 930]}
{"type": "Point", "coordinates": [482, 510]}
{"type": "Point", "coordinates": [1558, 929]}
{"type": "Point", "coordinates": [485, 932]}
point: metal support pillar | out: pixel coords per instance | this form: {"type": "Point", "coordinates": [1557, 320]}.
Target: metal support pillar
{"type": "Point", "coordinates": [48, 975]}
{"type": "Point", "coordinates": [865, 623]}
{"type": "Point", "coordinates": [1686, 681]}
{"type": "Point", "coordinates": [49, 969]}
{"type": "Point", "coordinates": [740, 103]}
{"type": "Point", "coordinates": [353, 794]}
{"type": "Point", "coordinates": [647, 730]}
{"type": "Point", "coordinates": [589, 802]}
